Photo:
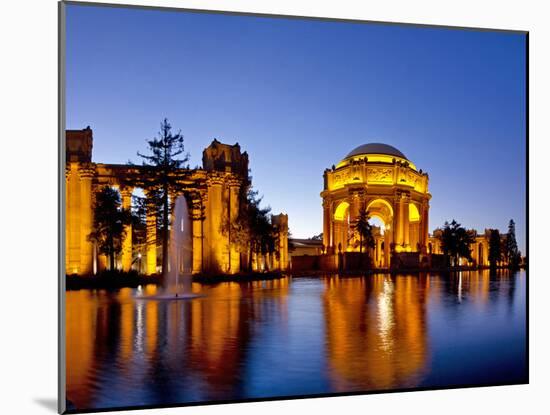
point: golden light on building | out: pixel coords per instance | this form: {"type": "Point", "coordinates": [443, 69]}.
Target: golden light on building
{"type": "Point", "coordinates": [212, 193]}
{"type": "Point", "coordinates": [379, 178]}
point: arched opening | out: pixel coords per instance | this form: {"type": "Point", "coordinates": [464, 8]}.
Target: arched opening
{"type": "Point", "coordinates": [341, 227]}
{"type": "Point", "coordinates": [378, 230]}
{"type": "Point", "coordinates": [341, 211]}
{"type": "Point", "coordinates": [414, 214]}
{"type": "Point", "coordinates": [381, 214]}
{"type": "Point", "coordinates": [381, 208]}
{"type": "Point", "coordinates": [378, 223]}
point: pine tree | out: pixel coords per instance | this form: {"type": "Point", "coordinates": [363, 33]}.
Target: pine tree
{"type": "Point", "coordinates": [163, 169]}
{"type": "Point", "coordinates": [512, 253]}
{"type": "Point", "coordinates": [495, 251]}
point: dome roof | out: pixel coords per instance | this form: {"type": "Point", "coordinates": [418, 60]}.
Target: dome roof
{"type": "Point", "coordinates": [376, 148]}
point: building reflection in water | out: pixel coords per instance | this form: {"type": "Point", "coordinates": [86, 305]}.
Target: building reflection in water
{"type": "Point", "coordinates": [177, 351]}
{"type": "Point", "coordinates": [376, 331]}
{"type": "Point", "coordinates": [346, 334]}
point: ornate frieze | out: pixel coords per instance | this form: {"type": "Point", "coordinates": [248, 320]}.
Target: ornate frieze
{"type": "Point", "coordinates": [380, 175]}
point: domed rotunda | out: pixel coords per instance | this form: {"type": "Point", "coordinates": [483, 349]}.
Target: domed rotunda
{"type": "Point", "coordinates": [382, 180]}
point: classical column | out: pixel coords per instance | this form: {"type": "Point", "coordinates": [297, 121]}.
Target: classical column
{"type": "Point", "coordinates": [68, 219]}
{"type": "Point", "coordinates": [406, 224]}
{"type": "Point", "coordinates": [379, 262]}
{"type": "Point", "coordinates": [388, 240]}
{"type": "Point", "coordinates": [234, 256]}
{"type": "Point", "coordinates": [398, 220]}
{"type": "Point", "coordinates": [282, 221]}
{"type": "Point", "coordinates": [214, 243]}
{"type": "Point", "coordinates": [423, 237]}
{"type": "Point", "coordinates": [337, 232]}
{"type": "Point", "coordinates": [356, 202]}
{"type": "Point", "coordinates": [126, 194]}
{"type": "Point", "coordinates": [73, 220]}
{"type": "Point", "coordinates": [326, 224]}
{"type": "Point", "coordinates": [198, 220]}
{"type": "Point", "coordinates": [284, 257]}
{"type": "Point", "coordinates": [151, 237]}
{"type": "Point", "coordinates": [285, 248]}
{"type": "Point", "coordinates": [86, 173]}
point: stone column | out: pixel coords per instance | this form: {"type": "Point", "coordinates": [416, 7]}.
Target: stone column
{"type": "Point", "coordinates": [337, 234]}
{"type": "Point", "coordinates": [214, 243]}
{"type": "Point", "coordinates": [388, 240]}
{"type": "Point", "coordinates": [356, 201]}
{"type": "Point", "coordinates": [73, 220]}
{"type": "Point", "coordinates": [86, 172]}
{"type": "Point", "coordinates": [67, 219]}
{"type": "Point", "coordinates": [284, 257]}
{"type": "Point", "coordinates": [197, 218]}
{"type": "Point", "coordinates": [424, 228]}
{"type": "Point", "coordinates": [379, 253]}
{"type": "Point", "coordinates": [282, 221]}
{"type": "Point", "coordinates": [398, 220]}
{"type": "Point", "coordinates": [126, 194]}
{"type": "Point", "coordinates": [234, 256]}
{"type": "Point", "coordinates": [151, 238]}
{"type": "Point", "coordinates": [406, 224]}
{"type": "Point", "coordinates": [326, 224]}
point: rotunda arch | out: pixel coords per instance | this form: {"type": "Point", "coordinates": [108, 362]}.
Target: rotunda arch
{"type": "Point", "coordinates": [382, 209]}
{"type": "Point", "coordinates": [341, 211]}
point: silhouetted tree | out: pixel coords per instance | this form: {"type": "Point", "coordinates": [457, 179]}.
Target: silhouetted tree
{"type": "Point", "coordinates": [362, 228]}
{"type": "Point", "coordinates": [511, 253]}
{"type": "Point", "coordinates": [262, 232]}
{"type": "Point", "coordinates": [252, 230]}
{"type": "Point", "coordinates": [139, 226]}
{"type": "Point", "coordinates": [495, 248]}
{"type": "Point", "coordinates": [109, 221]}
{"type": "Point", "coordinates": [455, 241]}
{"type": "Point", "coordinates": [164, 168]}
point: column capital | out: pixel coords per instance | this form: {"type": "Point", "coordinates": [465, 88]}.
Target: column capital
{"type": "Point", "coordinates": [86, 171]}
{"type": "Point", "coordinates": [402, 194]}
{"type": "Point", "coordinates": [215, 178]}
{"type": "Point", "coordinates": [234, 182]}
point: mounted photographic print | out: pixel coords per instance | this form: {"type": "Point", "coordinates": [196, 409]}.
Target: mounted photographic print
{"type": "Point", "coordinates": [265, 207]}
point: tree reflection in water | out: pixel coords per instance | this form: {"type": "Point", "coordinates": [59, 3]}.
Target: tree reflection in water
{"type": "Point", "coordinates": [295, 336]}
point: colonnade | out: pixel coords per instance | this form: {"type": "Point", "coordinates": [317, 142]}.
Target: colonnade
{"type": "Point", "coordinates": [404, 217]}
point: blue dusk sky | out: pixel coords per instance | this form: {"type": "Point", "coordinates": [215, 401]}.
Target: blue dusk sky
{"type": "Point", "coordinates": [298, 95]}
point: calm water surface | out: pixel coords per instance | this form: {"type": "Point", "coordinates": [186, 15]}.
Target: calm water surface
{"type": "Point", "coordinates": [295, 336]}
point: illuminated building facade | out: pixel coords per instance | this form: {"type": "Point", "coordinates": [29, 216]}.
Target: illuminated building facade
{"type": "Point", "coordinates": [379, 178]}
{"type": "Point", "coordinates": [479, 249]}
{"type": "Point", "coordinates": [212, 193]}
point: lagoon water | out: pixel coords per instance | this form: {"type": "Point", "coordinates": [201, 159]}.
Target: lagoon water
{"type": "Point", "coordinates": [295, 336]}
